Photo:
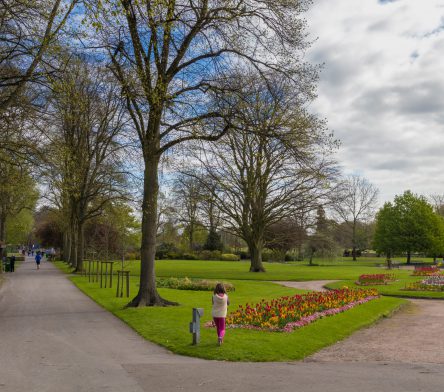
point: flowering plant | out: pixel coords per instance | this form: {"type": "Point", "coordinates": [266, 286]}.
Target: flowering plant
{"type": "Point", "coordinates": [426, 271]}
{"type": "Point", "coordinates": [431, 283]}
{"type": "Point", "coordinates": [372, 279]}
{"type": "Point", "coordinates": [287, 313]}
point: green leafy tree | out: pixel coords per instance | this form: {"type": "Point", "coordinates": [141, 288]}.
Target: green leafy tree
{"type": "Point", "coordinates": [213, 241]}
{"type": "Point", "coordinates": [19, 227]}
{"type": "Point", "coordinates": [17, 192]}
{"type": "Point", "coordinates": [408, 225]}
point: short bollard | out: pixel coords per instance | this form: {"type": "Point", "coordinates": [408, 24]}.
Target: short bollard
{"type": "Point", "coordinates": [195, 324]}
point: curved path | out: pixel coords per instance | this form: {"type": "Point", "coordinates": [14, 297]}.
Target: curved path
{"type": "Point", "coordinates": [316, 285]}
{"type": "Point", "coordinates": [55, 339]}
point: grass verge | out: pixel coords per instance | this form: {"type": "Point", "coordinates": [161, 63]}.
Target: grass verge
{"type": "Point", "coordinates": [169, 326]}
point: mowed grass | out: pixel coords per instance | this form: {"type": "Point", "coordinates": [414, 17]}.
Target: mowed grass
{"type": "Point", "coordinates": [239, 270]}
{"type": "Point", "coordinates": [343, 269]}
{"type": "Point", "coordinates": [169, 326]}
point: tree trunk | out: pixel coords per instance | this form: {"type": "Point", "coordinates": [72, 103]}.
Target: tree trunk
{"type": "Point", "coordinates": [191, 235]}
{"type": "Point", "coordinates": [389, 260]}
{"type": "Point", "coordinates": [408, 257]}
{"type": "Point", "coordinates": [66, 246]}
{"type": "Point", "coordinates": [354, 253]}
{"type": "Point", "coordinates": [255, 248]}
{"type": "Point", "coordinates": [310, 261]}
{"type": "Point", "coordinates": [3, 229]}
{"type": "Point", "coordinates": [148, 295]}
{"type": "Point", "coordinates": [80, 247]}
{"type": "Point", "coordinates": [354, 241]}
{"type": "Point", "coordinates": [73, 247]}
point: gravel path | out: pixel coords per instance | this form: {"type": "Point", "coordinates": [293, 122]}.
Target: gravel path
{"type": "Point", "coordinates": [316, 285]}
{"type": "Point", "coordinates": [55, 339]}
{"type": "Point", "coordinates": [413, 334]}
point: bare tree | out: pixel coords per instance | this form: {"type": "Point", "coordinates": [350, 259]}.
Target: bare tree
{"type": "Point", "coordinates": [274, 165]}
{"type": "Point", "coordinates": [355, 202]}
{"type": "Point", "coordinates": [83, 168]}
{"type": "Point", "coordinates": [187, 199]}
{"type": "Point", "coordinates": [27, 30]}
{"type": "Point", "coordinates": [437, 202]}
{"type": "Point", "coordinates": [172, 59]}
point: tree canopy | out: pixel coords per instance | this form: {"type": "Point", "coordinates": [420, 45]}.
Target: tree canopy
{"type": "Point", "coordinates": [408, 225]}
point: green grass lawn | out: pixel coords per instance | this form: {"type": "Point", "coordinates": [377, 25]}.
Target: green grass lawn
{"type": "Point", "coordinates": [169, 326]}
{"type": "Point", "coordinates": [239, 270]}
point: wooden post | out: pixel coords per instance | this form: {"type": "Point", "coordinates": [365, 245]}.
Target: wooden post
{"type": "Point", "coordinates": [122, 278]}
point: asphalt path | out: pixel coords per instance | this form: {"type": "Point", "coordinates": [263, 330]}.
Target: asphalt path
{"type": "Point", "coordinates": [54, 338]}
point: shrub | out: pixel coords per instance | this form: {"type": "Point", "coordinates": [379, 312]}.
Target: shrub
{"type": "Point", "coordinates": [290, 257]}
{"type": "Point", "coordinates": [132, 256]}
{"type": "Point", "coordinates": [205, 255]}
{"type": "Point", "coordinates": [244, 255]}
{"type": "Point", "coordinates": [188, 256]}
{"type": "Point", "coordinates": [229, 257]}
{"type": "Point", "coordinates": [191, 284]}
{"type": "Point", "coordinates": [164, 249]}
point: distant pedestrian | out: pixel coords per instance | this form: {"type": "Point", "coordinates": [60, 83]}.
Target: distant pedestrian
{"type": "Point", "coordinates": [12, 263]}
{"type": "Point", "coordinates": [219, 312]}
{"type": "Point", "coordinates": [38, 258]}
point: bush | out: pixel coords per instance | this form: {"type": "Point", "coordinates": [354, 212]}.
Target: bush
{"type": "Point", "coordinates": [205, 255]}
{"type": "Point", "coordinates": [267, 255]}
{"type": "Point", "coordinates": [188, 256]}
{"type": "Point", "coordinates": [164, 249]}
{"type": "Point", "coordinates": [229, 257]}
{"type": "Point", "coordinates": [290, 257]}
{"type": "Point", "coordinates": [132, 256]}
{"type": "Point", "coordinates": [244, 255]}
{"type": "Point", "coordinates": [191, 284]}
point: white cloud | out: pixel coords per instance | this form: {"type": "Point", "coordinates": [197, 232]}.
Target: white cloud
{"type": "Point", "coordinates": [382, 88]}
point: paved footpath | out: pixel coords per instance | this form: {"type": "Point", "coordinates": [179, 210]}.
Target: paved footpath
{"type": "Point", "coordinates": [54, 338]}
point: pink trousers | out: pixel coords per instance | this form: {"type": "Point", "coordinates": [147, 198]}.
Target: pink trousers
{"type": "Point", "coordinates": [220, 326]}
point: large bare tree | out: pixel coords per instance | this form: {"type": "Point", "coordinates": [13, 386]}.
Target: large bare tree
{"type": "Point", "coordinates": [172, 58]}
{"type": "Point", "coordinates": [355, 202]}
{"type": "Point", "coordinates": [275, 164]}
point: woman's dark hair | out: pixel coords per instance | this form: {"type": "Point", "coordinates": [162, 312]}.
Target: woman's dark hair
{"type": "Point", "coordinates": [219, 289]}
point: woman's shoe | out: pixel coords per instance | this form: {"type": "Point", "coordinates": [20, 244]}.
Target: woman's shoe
{"type": "Point", "coordinates": [220, 341]}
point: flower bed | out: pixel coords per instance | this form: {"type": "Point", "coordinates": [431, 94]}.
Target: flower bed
{"type": "Point", "coordinates": [190, 284]}
{"type": "Point", "coordinates": [426, 271]}
{"type": "Point", "coordinates": [367, 280]}
{"type": "Point", "coordinates": [287, 313]}
{"type": "Point", "coordinates": [431, 283]}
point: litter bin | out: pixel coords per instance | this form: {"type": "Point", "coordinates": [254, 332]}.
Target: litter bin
{"type": "Point", "coordinates": [7, 266]}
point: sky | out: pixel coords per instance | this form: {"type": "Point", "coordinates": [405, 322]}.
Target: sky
{"type": "Point", "coordinates": [381, 89]}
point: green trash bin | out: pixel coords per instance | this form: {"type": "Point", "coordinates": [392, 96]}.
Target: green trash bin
{"type": "Point", "coordinates": [7, 266]}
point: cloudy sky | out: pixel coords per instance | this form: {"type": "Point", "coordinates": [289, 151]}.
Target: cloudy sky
{"type": "Point", "coordinates": [382, 89]}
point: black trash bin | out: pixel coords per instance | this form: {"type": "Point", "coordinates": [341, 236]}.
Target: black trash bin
{"type": "Point", "coordinates": [7, 266]}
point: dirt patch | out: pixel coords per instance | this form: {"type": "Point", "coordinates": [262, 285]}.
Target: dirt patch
{"type": "Point", "coordinates": [411, 335]}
